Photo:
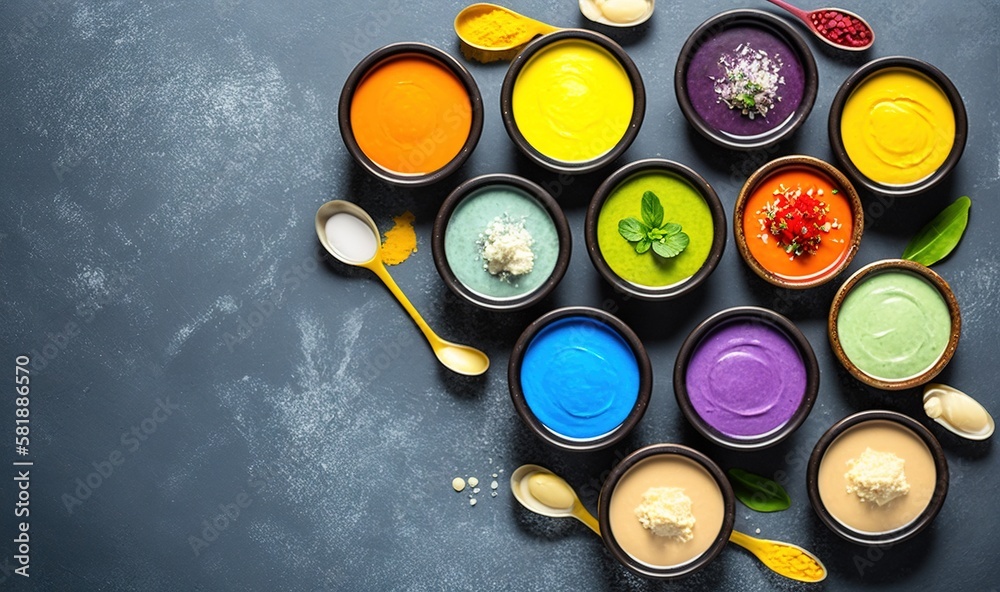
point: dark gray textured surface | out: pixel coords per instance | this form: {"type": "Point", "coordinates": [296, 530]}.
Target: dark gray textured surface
{"type": "Point", "coordinates": [161, 165]}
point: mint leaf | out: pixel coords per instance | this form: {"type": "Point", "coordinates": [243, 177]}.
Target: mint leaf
{"type": "Point", "coordinates": [671, 228]}
{"type": "Point", "coordinates": [632, 230]}
{"type": "Point", "coordinates": [666, 239]}
{"type": "Point", "coordinates": [652, 211]}
{"type": "Point", "coordinates": [671, 245]}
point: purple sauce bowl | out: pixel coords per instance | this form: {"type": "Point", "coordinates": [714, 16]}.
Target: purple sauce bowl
{"type": "Point", "coordinates": [700, 70]}
{"type": "Point", "coordinates": [746, 378]}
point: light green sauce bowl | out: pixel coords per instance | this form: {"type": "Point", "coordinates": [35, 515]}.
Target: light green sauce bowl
{"type": "Point", "coordinates": [894, 325]}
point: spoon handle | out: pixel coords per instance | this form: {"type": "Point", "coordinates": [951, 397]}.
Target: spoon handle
{"type": "Point", "coordinates": [802, 14]}
{"type": "Point", "coordinates": [379, 269]}
{"type": "Point", "coordinates": [586, 517]}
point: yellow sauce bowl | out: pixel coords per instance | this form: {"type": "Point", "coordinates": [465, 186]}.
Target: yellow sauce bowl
{"type": "Point", "coordinates": [898, 126]}
{"type": "Point", "coordinates": [572, 101]}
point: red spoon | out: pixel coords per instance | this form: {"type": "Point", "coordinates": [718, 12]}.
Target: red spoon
{"type": "Point", "coordinates": [838, 27]}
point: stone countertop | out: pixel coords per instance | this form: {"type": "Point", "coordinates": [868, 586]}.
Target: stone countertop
{"type": "Point", "coordinates": [216, 406]}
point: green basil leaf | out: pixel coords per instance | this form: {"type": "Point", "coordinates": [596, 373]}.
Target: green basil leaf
{"type": "Point", "coordinates": [652, 211]}
{"type": "Point", "coordinates": [671, 245]}
{"type": "Point", "coordinates": [671, 228]}
{"type": "Point", "coordinates": [643, 245]}
{"type": "Point", "coordinates": [941, 235]}
{"type": "Point", "coordinates": [632, 230]}
{"type": "Point", "coordinates": [758, 493]}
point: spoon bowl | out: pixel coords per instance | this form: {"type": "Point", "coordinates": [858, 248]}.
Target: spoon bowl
{"type": "Point", "coordinates": [958, 412]}
{"type": "Point", "coordinates": [350, 235]}
{"type": "Point", "coordinates": [543, 492]}
{"type": "Point", "coordinates": [777, 554]}
{"type": "Point", "coordinates": [528, 30]}
{"type": "Point", "coordinates": [812, 17]}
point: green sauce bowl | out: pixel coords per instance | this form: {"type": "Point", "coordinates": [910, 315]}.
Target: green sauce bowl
{"type": "Point", "coordinates": [687, 199]}
{"type": "Point", "coordinates": [894, 324]}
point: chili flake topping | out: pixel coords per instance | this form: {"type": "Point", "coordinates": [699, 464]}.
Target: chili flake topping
{"type": "Point", "coordinates": [797, 219]}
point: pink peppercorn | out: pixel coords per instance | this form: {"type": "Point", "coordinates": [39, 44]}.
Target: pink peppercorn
{"type": "Point", "coordinates": [840, 28]}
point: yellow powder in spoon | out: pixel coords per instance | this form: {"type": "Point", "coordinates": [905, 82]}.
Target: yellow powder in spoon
{"type": "Point", "coordinates": [496, 28]}
{"type": "Point", "coordinates": [400, 241]}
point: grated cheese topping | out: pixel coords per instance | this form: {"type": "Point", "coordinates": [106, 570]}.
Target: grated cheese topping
{"type": "Point", "coordinates": [507, 248]}
{"type": "Point", "coordinates": [876, 477]}
{"type": "Point", "coordinates": [666, 511]}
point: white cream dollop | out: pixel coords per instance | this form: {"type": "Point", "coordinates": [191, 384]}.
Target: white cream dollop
{"type": "Point", "coordinates": [623, 11]}
{"type": "Point", "coordinates": [958, 412]}
{"type": "Point", "coordinates": [617, 12]}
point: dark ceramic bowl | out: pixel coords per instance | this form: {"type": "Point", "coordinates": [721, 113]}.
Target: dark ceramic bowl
{"type": "Point", "coordinates": [674, 571]}
{"type": "Point", "coordinates": [774, 321]}
{"type": "Point", "coordinates": [776, 28]}
{"type": "Point", "coordinates": [856, 79]}
{"type": "Point", "coordinates": [528, 416]}
{"type": "Point", "coordinates": [531, 191]}
{"type": "Point", "coordinates": [818, 167]}
{"type": "Point", "coordinates": [916, 269]}
{"type": "Point", "coordinates": [890, 537]}
{"type": "Point", "coordinates": [376, 59]}
{"type": "Point", "coordinates": [608, 187]}
{"type": "Point", "coordinates": [507, 100]}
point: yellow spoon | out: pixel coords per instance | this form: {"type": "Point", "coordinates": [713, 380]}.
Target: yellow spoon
{"type": "Point", "coordinates": [791, 561]}
{"type": "Point", "coordinates": [543, 492]}
{"type": "Point", "coordinates": [525, 30]}
{"type": "Point", "coordinates": [349, 234]}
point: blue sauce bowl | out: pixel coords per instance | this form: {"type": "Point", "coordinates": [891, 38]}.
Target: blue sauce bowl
{"type": "Point", "coordinates": [580, 378]}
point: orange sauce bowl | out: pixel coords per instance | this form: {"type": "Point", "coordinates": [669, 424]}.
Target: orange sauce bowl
{"type": "Point", "coordinates": [792, 194]}
{"type": "Point", "coordinates": [410, 114]}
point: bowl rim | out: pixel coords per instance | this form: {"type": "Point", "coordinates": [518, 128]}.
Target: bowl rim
{"type": "Point", "coordinates": [890, 537]}
{"type": "Point", "coordinates": [507, 101]}
{"type": "Point", "coordinates": [528, 417]}
{"type": "Point", "coordinates": [543, 198]}
{"type": "Point", "coordinates": [604, 191]}
{"type": "Point", "coordinates": [858, 77]}
{"type": "Point", "coordinates": [384, 55]}
{"type": "Point", "coordinates": [791, 332]}
{"type": "Point", "coordinates": [775, 25]}
{"type": "Point", "coordinates": [895, 265]}
{"type": "Point", "coordinates": [615, 476]}
{"type": "Point", "coordinates": [760, 175]}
